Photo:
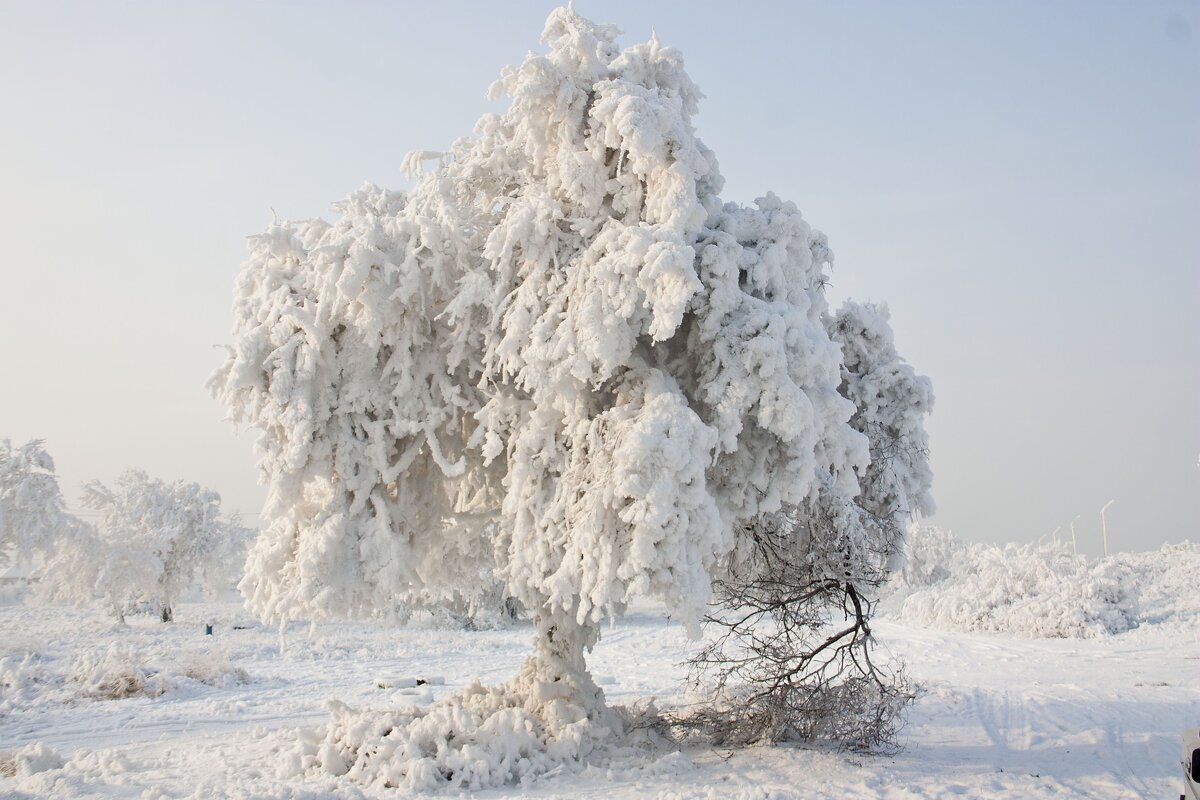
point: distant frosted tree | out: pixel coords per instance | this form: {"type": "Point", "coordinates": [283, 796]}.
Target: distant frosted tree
{"type": "Point", "coordinates": [151, 542]}
{"type": "Point", "coordinates": [32, 513]}
{"type": "Point", "coordinates": [561, 360]}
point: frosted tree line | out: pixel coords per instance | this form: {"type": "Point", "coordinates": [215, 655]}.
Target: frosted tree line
{"type": "Point", "coordinates": [150, 541]}
{"type": "Point", "coordinates": [563, 363]}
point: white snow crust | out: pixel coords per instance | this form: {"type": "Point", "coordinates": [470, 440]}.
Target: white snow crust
{"type": "Point", "coordinates": [996, 716]}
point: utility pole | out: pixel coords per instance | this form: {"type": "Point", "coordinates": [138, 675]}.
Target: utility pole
{"type": "Point", "coordinates": [1104, 526]}
{"type": "Point", "coordinates": [1074, 544]}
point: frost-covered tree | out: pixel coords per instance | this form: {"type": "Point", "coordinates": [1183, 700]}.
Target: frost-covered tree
{"type": "Point", "coordinates": [151, 542]}
{"type": "Point", "coordinates": [560, 359]}
{"type": "Point", "coordinates": [32, 513]}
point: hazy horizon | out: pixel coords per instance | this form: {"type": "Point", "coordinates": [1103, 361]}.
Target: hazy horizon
{"type": "Point", "coordinates": [1020, 183]}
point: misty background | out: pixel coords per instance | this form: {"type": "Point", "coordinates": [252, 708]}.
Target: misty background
{"type": "Point", "coordinates": [1019, 181]}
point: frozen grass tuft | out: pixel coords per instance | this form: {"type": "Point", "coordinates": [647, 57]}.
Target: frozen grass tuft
{"type": "Point", "coordinates": [115, 674]}
{"type": "Point", "coordinates": [121, 672]}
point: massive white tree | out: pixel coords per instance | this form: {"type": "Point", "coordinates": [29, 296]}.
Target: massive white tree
{"type": "Point", "coordinates": [560, 359]}
{"type": "Point", "coordinates": [151, 542]}
{"type": "Point", "coordinates": [32, 512]}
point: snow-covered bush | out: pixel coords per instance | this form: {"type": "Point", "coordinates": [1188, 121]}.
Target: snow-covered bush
{"type": "Point", "coordinates": [931, 555]}
{"type": "Point", "coordinates": [212, 668]}
{"type": "Point", "coordinates": [560, 361]}
{"type": "Point", "coordinates": [32, 513]}
{"type": "Point", "coordinates": [1166, 583]}
{"type": "Point", "coordinates": [1035, 590]}
{"type": "Point", "coordinates": [114, 672]}
{"type": "Point", "coordinates": [151, 542]}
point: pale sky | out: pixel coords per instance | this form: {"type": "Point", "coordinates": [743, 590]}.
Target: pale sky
{"type": "Point", "coordinates": [1020, 182]}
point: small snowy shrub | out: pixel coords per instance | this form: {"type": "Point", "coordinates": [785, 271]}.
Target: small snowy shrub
{"type": "Point", "coordinates": [121, 671]}
{"type": "Point", "coordinates": [114, 674]}
{"type": "Point", "coordinates": [931, 555]}
{"type": "Point", "coordinates": [1166, 581]}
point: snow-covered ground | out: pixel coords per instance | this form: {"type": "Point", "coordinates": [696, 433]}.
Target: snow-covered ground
{"type": "Point", "coordinates": [218, 716]}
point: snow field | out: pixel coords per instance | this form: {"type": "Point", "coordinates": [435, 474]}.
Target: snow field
{"type": "Point", "coordinates": [996, 716]}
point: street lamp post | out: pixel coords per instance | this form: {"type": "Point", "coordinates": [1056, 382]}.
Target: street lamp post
{"type": "Point", "coordinates": [1104, 526]}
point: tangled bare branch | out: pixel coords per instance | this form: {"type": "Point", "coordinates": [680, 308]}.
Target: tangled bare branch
{"type": "Point", "coordinates": [789, 658]}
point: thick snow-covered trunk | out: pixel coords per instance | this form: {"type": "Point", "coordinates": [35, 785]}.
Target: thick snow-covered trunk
{"type": "Point", "coordinates": [559, 644]}
{"type": "Point", "coordinates": [557, 671]}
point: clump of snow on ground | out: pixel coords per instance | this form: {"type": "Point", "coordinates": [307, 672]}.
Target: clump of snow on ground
{"type": "Point", "coordinates": [30, 759]}
{"type": "Point", "coordinates": [1040, 590]}
{"type": "Point", "coordinates": [23, 679]}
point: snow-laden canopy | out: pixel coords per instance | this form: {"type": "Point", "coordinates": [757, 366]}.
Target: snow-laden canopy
{"type": "Point", "coordinates": [560, 356]}
{"type": "Point", "coordinates": [562, 363]}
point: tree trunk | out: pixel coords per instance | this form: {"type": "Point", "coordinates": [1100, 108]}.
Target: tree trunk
{"type": "Point", "coordinates": [168, 613]}
{"type": "Point", "coordinates": [557, 668]}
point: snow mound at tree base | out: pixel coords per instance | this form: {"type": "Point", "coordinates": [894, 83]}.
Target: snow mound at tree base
{"type": "Point", "coordinates": [477, 738]}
